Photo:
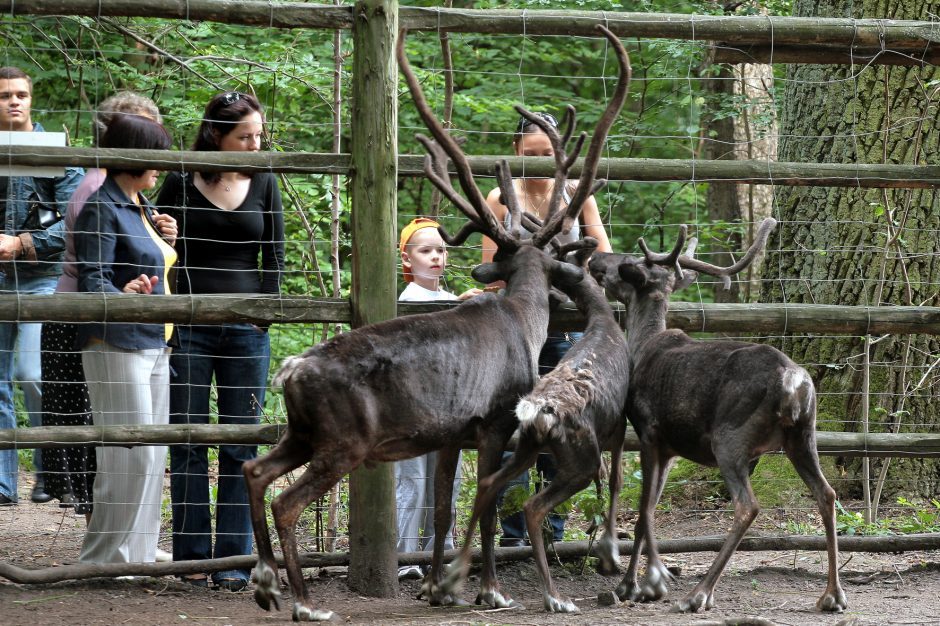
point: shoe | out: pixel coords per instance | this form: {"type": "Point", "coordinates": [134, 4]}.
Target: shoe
{"type": "Point", "coordinates": [162, 556]}
{"type": "Point", "coordinates": [511, 542]}
{"type": "Point", "coordinates": [39, 495]}
{"type": "Point", "coordinates": [6, 500]}
{"type": "Point", "coordinates": [231, 584]}
{"type": "Point", "coordinates": [68, 501]}
{"type": "Point", "coordinates": [196, 580]}
{"type": "Point", "coordinates": [410, 572]}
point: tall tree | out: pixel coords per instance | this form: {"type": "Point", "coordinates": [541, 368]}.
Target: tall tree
{"type": "Point", "coordinates": [863, 247]}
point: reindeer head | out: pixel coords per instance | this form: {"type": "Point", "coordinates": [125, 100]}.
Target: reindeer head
{"type": "Point", "coordinates": [655, 276]}
{"type": "Point", "coordinates": [472, 203]}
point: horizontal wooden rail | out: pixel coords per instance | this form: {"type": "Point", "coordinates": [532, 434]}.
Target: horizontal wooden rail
{"type": "Point", "coordinates": [564, 550]}
{"type": "Point", "coordinates": [870, 175]}
{"type": "Point", "coordinates": [831, 443]}
{"type": "Point", "coordinates": [918, 40]}
{"type": "Point", "coordinates": [220, 308]}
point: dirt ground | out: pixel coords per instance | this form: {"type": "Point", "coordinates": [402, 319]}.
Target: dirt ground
{"type": "Point", "coordinates": [778, 587]}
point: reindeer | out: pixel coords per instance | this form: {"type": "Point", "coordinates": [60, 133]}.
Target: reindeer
{"type": "Point", "coordinates": [408, 386]}
{"type": "Point", "coordinates": [576, 411]}
{"type": "Point", "coordinates": [718, 403]}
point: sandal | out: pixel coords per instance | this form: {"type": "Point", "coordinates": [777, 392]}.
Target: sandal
{"type": "Point", "coordinates": [196, 580]}
{"type": "Point", "coordinates": [231, 584]}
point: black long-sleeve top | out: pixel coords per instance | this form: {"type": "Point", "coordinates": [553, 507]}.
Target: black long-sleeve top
{"type": "Point", "coordinates": [219, 249]}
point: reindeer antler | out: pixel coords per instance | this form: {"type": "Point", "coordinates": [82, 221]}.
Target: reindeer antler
{"type": "Point", "coordinates": [725, 273]}
{"type": "Point", "coordinates": [671, 259]}
{"type": "Point", "coordinates": [587, 185]}
{"type": "Point", "coordinates": [435, 165]}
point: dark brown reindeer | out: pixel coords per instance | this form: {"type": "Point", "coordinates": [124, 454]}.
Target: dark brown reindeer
{"type": "Point", "coordinates": [575, 411]}
{"type": "Point", "coordinates": [719, 403]}
{"type": "Point", "coordinates": [407, 386]}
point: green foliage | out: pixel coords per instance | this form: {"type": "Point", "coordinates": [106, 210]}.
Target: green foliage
{"type": "Point", "coordinates": [915, 518]}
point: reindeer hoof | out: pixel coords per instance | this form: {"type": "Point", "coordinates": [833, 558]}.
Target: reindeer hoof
{"type": "Point", "coordinates": [655, 584]}
{"type": "Point", "coordinates": [497, 600]}
{"type": "Point", "coordinates": [832, 601]}
{"type": "Point", "coordinates": [694, 602]}
{"type": "Point", "coordinates": [557, 605]}
{"type": "Point", "coordinates": [267, 593]}
{"type": "Point", "coordinates": [306, 614]}
{"type": "Point", "coordinates": [608, 556]}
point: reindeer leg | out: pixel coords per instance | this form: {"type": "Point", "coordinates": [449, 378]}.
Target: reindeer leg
{"type": "Point", "coordinates": [655, 584]}
{"type": "Point", "coordinates": [487, 490]}
{"type": "Point", "coordinates": [800, 447]}
{"type": "Point", "coordinates": [317, 479]}
{"type": "Point", "coordinates": [490, 457]}
{"type": "Point", "coordinates": [444, 475]}
{"type": "Point", "coordinates": [606, 547]}
{"type": "Point", "coordinates": [735, 471]}
{"type": "Point", "coordinates": [571, 478]}
{"type": "Point", "coordinates": [259, 473]}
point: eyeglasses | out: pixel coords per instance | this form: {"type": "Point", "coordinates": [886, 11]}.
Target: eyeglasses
{"type": "Point", "coordinates": [546, 117]}
{"type": "Point", "coordinates": [229, 98]}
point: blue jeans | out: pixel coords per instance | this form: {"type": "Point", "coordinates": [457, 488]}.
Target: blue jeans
{"type": "Point", "coordinates": [238, 356]}
{"type": "Point", "coordinates": [513, 526]}
{"type": "Point", "coordinates": [20, 361]}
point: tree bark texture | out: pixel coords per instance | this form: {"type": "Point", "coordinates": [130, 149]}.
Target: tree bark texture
{"type": "Point", "coordinates": [863, 247]}
{"type": "Point", "coordinates": [373, 565]}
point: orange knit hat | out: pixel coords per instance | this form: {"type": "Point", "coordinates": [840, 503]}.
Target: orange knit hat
{"type": "Point", "coordinates": [407, 233]}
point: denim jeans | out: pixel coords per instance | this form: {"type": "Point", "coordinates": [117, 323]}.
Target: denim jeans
{"type": "Point", "coordinates": [20, 362]}
{"type": "Point", "coordinates": [237, 356]}
{"type": "Point", "coordinates": [513, 526]}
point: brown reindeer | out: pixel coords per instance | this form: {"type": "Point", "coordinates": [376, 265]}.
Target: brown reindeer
{"type": "Point", "coordinates": [576, 412]}
{"type": "Point", "coordinates": [412, 385]}
{"type": "Point", "coordinates": [719, 403]}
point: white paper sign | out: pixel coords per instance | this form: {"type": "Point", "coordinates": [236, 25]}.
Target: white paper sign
{"type": "Point", "coordinates": [8, 138]}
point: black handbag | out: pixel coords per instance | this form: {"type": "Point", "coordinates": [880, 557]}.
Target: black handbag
{"type": "Point", "coordinates": [42, 210]}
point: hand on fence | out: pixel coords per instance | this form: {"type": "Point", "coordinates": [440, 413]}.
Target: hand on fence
{"type": "Point", "coordinates": [141, 284]}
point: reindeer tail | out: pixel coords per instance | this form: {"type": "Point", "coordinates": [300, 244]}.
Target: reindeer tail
{"type": "Point", "coordinates": [288, 366]}
{"type": "Point", "coordinates": [559, 397]}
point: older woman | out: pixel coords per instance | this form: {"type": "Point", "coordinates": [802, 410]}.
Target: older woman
{"type": "Point", "coordinates": [123, 246]}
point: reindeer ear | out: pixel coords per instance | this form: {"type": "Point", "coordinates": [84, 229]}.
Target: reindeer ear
{"type": "Point", "coordinates": [487, 273]}
{"type": "Point", "coordinates": [634, 274]}
{"type": "Point", "coordinates": [688, 277]}
{"type": "Point", "coordinates": [566, 275]}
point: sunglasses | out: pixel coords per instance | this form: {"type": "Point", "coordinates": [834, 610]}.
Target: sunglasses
{"type": "Point", "coordinates": [229, 98]}
{"type": "Point", "coordinates": [545, 117]}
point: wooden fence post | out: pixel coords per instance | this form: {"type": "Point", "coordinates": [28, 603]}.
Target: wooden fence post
{"type": "Point", "coordinates": [373, 563]}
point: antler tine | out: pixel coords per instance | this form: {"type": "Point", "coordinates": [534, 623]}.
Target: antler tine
{"type": "Point", "coordinates": [569, 123]}
{"type": "Point", "coordinates": [725, 273]}
{"type": "Point", "coordinates": [507, 195]}
{"type": "Point", "coordinates": [671, 259]}
{"type": "Point", "coordinates": [591, 159]}
{"type": "Point", "coordinates": [475, 200]}
{"type": "Point", "coordinates": [435, 167]}
{"type": "Point", "coordinates": [582, 250]}
{"type": "Point", "coordinates": [465, 231]}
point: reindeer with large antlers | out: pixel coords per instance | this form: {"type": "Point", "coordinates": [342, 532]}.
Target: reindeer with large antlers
{"type": "Point", "coordinates": [719, 403]}
{"type": "Point", "coordinates": [575, 411]}
{"type": "Point", "coordinates": [361, 397]}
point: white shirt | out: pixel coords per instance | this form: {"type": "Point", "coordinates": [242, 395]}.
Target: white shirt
{"type": "Point", "coordinates": [416, 293]}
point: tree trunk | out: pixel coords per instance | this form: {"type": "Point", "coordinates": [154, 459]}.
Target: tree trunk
{"type": "Point", "coordinates": [863, 246]}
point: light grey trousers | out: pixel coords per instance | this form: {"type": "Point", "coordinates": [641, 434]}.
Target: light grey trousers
{"type": "Point", "coordinates": [414, 499]}
{"type": "Point", "coordinates": [126, 387]}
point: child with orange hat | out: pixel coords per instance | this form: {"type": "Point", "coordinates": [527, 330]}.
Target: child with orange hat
{"type": "Point", "coordinates": [423, 259]}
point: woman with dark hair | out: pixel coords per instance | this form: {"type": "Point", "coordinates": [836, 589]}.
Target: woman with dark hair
{"type": "Point", "coordinates": [231, 241]}
{"type": "Point", "coordinates": [70, 471]}
{"type": "Point", "coordinates": [123, 246]}
{"type": "Point", "coordinates": [533, 195]}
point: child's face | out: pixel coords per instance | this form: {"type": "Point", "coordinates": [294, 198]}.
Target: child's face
{"type": "Point", "coordinates": [425, 254]}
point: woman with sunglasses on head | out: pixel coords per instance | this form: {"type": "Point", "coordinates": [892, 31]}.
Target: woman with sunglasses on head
{"type": "Point", "coordinates": [534, 196]}
{"type": "Point", "coordinates": [231, 241]}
